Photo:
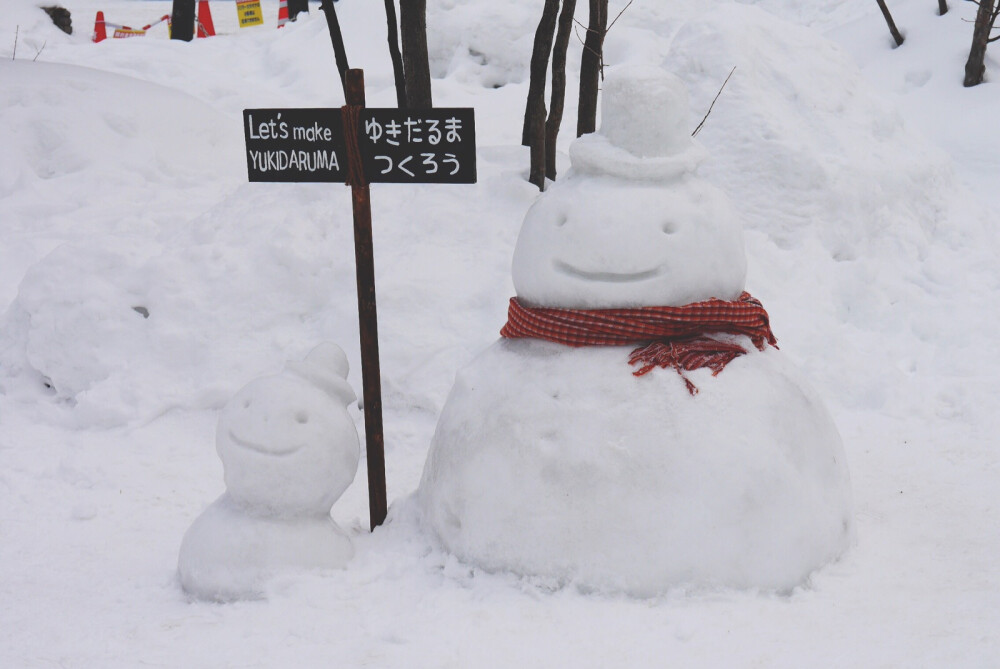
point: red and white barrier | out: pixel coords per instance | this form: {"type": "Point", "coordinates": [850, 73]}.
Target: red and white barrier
{"type": "Point", "coordinates": [120, 32]}
{"type": "Point", "coordinates": [165, 17]}
{"type": "Point", "coordinates": [282, 13]}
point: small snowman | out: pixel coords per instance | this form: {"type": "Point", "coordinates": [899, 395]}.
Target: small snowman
{"type": "Point", "coordinates": [684, 448]}
{"type": "Point", "coordinates": [289, 450]}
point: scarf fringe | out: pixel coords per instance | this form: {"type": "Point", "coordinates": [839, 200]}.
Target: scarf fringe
{"type": "Point", "coordinates": [686, 355]}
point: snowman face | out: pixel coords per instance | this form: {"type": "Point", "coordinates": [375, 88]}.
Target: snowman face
{"type": "Point", "coordinates": [286, 446]}
{"type": "Point", "coordinates": [601, 242]}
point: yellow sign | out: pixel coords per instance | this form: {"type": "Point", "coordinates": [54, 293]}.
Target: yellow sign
{"type": "Point", "coordinates": [128, 32]}
{"type": "Point", "coordinates": [249, 13]}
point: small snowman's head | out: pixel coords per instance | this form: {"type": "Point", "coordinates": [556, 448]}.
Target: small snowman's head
{"type": "Point", "coordinates": [287, 443]}
{"type": "Point", "coordinates": [632, 225]}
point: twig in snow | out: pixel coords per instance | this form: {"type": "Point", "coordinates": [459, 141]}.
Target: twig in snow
{"type": "Point", "coordinates": [40, 49]}
{"type": "Point", "coordinates": [16, 31]}
{"type": "Point", "coordinates": [698, 129]}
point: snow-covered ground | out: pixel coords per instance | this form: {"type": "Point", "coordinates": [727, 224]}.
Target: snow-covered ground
{"type": "Point", "coordinates": [866, 180]}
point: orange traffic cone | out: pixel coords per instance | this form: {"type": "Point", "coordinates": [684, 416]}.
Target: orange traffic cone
{"type": "Point", "coordinates": [205, 26]}
{"type": "Point", "coordinates": [100, 31]}
{"type": "Point", "coordinates": [282, 13]}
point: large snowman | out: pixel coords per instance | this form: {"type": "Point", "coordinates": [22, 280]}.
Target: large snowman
{"type": "Point", "coordinates": [707, 460]}
{"type": "Point", "coordinates": [289, 450]}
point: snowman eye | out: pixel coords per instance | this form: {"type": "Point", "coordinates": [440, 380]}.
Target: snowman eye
{"type": "Point", "coordinates": [561, 220]}
{"type": "Point", "coordinates": [669, 227]}
{"type": "Point", "coordinates": [302, 417]}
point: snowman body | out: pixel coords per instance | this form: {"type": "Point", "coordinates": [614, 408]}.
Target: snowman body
{"type": "Point", "coordinates": [230, 553]}
{"type": "Point", "coordinates": [560, 463]}
{"type": "Point", "coordinates": [290, 450]}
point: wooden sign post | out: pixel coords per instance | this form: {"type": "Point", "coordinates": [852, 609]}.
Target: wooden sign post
{"type": "Point", "coordinates": [364, 259]}
{"type": "Point", "coordinates": [358, 146]}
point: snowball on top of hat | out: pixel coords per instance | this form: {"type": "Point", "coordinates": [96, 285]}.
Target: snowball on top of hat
{"type": "Point", "coordinates": [287, 444]}
{"type": "Point", "coordinates": [644, 130]}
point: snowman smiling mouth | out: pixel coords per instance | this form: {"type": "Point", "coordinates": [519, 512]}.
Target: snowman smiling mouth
{"type": "Point", "coordinates": [607, 277]}
{"type": "Point", "coordinates": [257, 448]}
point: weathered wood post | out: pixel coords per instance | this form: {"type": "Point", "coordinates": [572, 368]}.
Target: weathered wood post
{"type": "Point", "coordinates": [364, 255]}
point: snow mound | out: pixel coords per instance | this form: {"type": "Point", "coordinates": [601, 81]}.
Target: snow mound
{"type": "Point", "coordinates": [799, 139]}
{"type": "Point", "coordinates": [559, 463]}
{"type": "Point", "coordinates": [130, 320]}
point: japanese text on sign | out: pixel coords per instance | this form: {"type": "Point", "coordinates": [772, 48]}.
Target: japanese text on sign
{"type": "Point", "coordinates": [425, 146]}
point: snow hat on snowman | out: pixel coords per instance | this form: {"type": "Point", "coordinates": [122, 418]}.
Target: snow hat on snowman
{"type": "Point", "coordinates": [644, 128]}
{"type": "Point", "coordinates": [325, 367]}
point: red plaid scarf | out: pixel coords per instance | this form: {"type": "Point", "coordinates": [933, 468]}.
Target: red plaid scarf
{"type": "Point", "coordinates": [678, 336]}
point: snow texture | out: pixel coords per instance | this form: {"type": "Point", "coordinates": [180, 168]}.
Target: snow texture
{"type": "Point", "coordinates": [560, 463]}
{"type": "Point", "coordinates": [864, 183]}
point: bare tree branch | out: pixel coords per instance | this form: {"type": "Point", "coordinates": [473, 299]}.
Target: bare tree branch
{"type": "Point", "coordinates": [698, 129]}
{"type": "Point", "coordinates": [612, 25]}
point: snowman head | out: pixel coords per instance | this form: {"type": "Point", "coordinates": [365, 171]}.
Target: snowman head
{"type": "Point", "coordinates": [632, 225]}
{"type": "Point", "coordinates": [287, 443]}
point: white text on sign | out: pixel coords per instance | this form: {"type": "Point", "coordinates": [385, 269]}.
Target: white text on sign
{"type": "Point", "coordinates": [414, 131]}
{"type": "Point", "coordinates": [278, 129]}
{"type": "Point", "coordinates": [428, 164]}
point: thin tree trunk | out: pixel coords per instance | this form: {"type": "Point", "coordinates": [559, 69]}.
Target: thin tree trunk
{"type": "Point", "coordinates": [339, 52]}
{"type": "Point", "coordinates": [558, 86]}
{"type": "Point", "coordinates": [536, 173]}
{"type": "Point", "coordinates": [942, 7]}
{"type": "Point", "coordinates": [590, 67]}
{"type": "Point", "coordinates": [394, 55]}
{"type": "Point", "coordinates": [535, 106]}
{"type": "Point", "coordinates": [413, 24]}
{"type": "Point", "coordinates": [296, 7]}
{"type": "Point", "coordinates": [892, 24]}
{"type": "Point", "coordinates": [974, 67]}
{"type": "Point", "coordinates": [182, 20]}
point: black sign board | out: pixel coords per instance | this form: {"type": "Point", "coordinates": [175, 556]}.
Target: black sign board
{"type": "Point", "coordinates": [397, 146]}
{"type": "Point", "coordinates": [294, 145]}
{"type": "Point", "coordinates": [425, 146]}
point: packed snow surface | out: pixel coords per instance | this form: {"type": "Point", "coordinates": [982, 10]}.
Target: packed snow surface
{"type": "Point", "coordinates": [861, 176]}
